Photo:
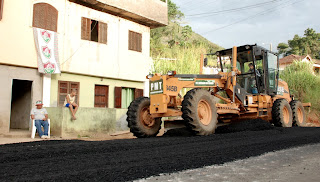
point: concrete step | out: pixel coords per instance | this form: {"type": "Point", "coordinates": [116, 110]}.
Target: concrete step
{"type": "Point", "coordinates": [17, 134]}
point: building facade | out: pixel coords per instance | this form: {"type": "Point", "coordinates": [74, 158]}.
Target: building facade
{"type": "Point", "coordinates": [286, 61]}
{"type": "Point", "coordinates": [103, 46]}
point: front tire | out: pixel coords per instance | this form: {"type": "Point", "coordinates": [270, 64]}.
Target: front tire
{"type": "Point", "coordinates": [298, 113]}
{"type": "Point", "coordinates": [282, 113]}
{"type": "Point", "coordinates": [140, 122]}
{"type": "Point", "coordinates": [200, 112]}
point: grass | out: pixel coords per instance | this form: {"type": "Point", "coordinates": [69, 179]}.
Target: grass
{"type": "Point", "coordinates": [183, 60]}
{"type": "Point", "coordinates": [303, 83]}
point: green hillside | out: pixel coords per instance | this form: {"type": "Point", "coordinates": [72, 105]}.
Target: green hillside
{"type": "Point", "coordinates": [177, 47]}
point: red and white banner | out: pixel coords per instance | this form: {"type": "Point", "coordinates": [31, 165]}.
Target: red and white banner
{"type": "Point", "coordinates": [47, 49]}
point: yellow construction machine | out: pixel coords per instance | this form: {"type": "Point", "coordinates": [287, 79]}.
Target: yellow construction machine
{"type": "Point", "coordinates": [247, 86]}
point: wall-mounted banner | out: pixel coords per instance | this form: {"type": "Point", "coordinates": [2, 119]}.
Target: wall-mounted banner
{"type": "Point", "coordinates": [47, 50]}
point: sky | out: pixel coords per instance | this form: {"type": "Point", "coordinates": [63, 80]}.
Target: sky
{"type": "Point", "coordinates": [231, 23]}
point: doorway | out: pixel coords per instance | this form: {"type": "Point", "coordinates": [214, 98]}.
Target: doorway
{"type": "Point", "coordinates": [20, 104]}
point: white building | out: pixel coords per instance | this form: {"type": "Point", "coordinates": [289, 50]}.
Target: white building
{"type": "Point", "coordinates": [104, 48]}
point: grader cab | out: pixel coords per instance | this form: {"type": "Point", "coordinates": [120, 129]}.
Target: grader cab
{"type": "Point", "coordinates": [247, 86]}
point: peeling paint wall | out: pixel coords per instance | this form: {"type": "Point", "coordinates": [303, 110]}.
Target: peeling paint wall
{"type": "Point", "coordinates": [7, 74]}
{"type": "Point", "coordinates": [89, 121]}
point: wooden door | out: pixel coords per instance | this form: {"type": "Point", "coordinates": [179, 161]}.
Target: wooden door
{"type": "Point", "coordinates": [101, 93]}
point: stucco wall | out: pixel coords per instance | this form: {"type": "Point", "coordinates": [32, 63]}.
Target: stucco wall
{"type": "Point", "coordinates": [151, 9]}
{"type": "Point", "coordinates": [78, 56]}
{"type": "Point", "coordinates": [108, 60]}
{"type": "Point", "coordinates": [20, 104]}
{"type": "Point", "coordinates": [7, 74]}
{"type": "Point", "coordinates": [89, 121]}
{"type": "Point", "coordinates": [87, 85]}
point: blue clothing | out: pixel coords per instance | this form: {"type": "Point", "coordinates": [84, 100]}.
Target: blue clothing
{"type": "Point", "coordinates": [254, 90]}
{"type": "Point", "coordinates": [67, 105]}
{"type": "Point", "coordinates": [45, 125]}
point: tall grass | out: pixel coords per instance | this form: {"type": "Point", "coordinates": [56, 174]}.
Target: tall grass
{"type": "Point", "coordinates": [184, 60]}
{"type": "Point", "coordinates": [303, 83]}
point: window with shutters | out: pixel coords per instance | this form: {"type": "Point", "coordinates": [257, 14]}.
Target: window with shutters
{"type": "Point", "coordinates": [1, 8]}
{"type": "Point", "coordinates": [93, 30]}
{"type": "Point", "coordinates": [135, 41]}
{"type": "Point", "coordinates": [65, 88]}
{"type": "Point", "coordinates": [45, 16]}
{"type": "Point", "coordinates": [124, 96]}
{"type": "Point", "coordinates": [101, 93]}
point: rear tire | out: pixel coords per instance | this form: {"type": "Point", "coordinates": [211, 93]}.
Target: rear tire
{"type": "Point", "coordinates": [282, 113]}
{"type": "Point", "coordinates": [139, 119]}
{"type": "Point", "coordinates": [298, 113]}
{"type": "Point", "coordinates": [200, 112]}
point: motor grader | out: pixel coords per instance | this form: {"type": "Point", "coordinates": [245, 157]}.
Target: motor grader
{"type": "Point", "coordinates": [235, 93]}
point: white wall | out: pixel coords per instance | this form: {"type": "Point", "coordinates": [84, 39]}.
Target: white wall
{"type": "Point", "coordinates": [7, 74]}
{"type": "Point", "coordinates": [113, 60]}
{"type": "Point", "coordinates": [109, 60]}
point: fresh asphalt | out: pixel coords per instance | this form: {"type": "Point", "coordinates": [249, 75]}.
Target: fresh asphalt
{"type": "Point", "coordinates": [132, 159]}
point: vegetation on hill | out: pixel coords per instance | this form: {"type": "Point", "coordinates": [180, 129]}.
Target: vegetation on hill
{"type": "Point", "coordinates": [303, 83]}
{"type": "Point", "coordinates": [177, 47]}
{"type": "Point", "coordinates": [308, 44]}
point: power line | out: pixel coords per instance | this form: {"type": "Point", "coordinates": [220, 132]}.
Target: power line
{"type": "Point", "coordinates": [253, 16]}
{"type": "Point", "coordinates": [234, 9]}
{"type": "Point", "coordinates": [201, 5]}
{"type": "Point", "coordinates": [191, 1]}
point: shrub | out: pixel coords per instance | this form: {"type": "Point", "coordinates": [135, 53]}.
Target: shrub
{"type": "Point", "coordinates": [184, 60]}
{"type": "Point", "coordinates": [303, 83]}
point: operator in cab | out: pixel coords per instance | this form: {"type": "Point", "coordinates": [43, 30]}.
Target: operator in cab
{"type": "Point", "coordinates": [253, 84]}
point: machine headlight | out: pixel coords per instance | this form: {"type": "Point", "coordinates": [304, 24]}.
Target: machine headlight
{"type": "Point", "coordinates": [149, 76]}
{"type": "Point", "coordinates": [171, 73]}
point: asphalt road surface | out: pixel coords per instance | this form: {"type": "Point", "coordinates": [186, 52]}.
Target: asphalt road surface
{"type": "Point", "coordinates": [127, 160]}
{"type": "Point", "coordinates": [295, 165]}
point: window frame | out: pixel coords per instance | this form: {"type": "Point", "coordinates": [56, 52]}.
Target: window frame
{"type": "Point", "coordinates": [68, 92]}
{"type": "Point", "coordinates": [135, 41]}
{"type": "Point", "coordinates": [50, 19]}
{"type": "Point", "coordinates": [1, 8]}
{"type": "Point", "coordinates": [86, 30]}
{"type": "Point", "coordinates": [118, 95]}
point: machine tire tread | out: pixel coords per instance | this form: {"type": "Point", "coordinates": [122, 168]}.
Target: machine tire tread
{"type": "Point", "coordinates": [277, 115]}
{"type": "Point", "coordinates": [295, 104]}
{"type": "Point", "coordinates": [133, 117]}
{"type": "Point", "coordinates": [190, 113]}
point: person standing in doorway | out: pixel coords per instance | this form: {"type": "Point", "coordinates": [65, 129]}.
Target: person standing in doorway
{"type": "Point", "coordinates": [40, 115]}
{"type": "Point", "coordinates": [71, 104]}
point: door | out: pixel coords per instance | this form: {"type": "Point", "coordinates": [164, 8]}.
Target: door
{"type": "Point", "coordinates": [272, 72]}
{"type": "Point", "coordinates": [101, 93]}
{"type": "Point", "coordinates": [20, 104]}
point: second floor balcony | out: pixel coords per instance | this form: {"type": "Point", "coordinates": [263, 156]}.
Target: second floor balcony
{"type": "Point", "coordinates": [152, 13]}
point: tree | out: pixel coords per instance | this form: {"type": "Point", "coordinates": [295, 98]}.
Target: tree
{"type": "Point", "coordinates": [157, 35]}
{"type": "Point", "coordinates": [282, 48]}
{"type": "Point", "coordinates": [174, 13]}
{"type": "Point", "coordinates": [296, 45]}
{"type": "Point", "coordinates": [186, 32]}
{"type": "Point", "coordinates": [308, 44]}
